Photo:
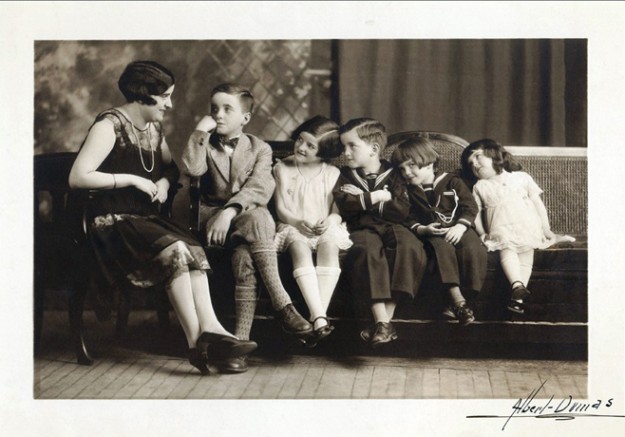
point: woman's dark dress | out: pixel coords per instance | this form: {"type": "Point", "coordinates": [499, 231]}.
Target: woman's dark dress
{"type": "Point", "coordinates": [132, 242]}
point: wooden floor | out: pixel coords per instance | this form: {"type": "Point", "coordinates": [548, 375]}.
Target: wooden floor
{"type": "Point", "coordinates": [150, 365]}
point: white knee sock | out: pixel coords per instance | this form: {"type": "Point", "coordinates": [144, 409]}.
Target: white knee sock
{"type": "Point", "coordinates": [327, 277]}
{"type": "Point", "coordinates": [307, 281]}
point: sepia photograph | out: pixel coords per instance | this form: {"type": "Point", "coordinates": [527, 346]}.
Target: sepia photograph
{"type": "Point", "coordinates": [345, 224]}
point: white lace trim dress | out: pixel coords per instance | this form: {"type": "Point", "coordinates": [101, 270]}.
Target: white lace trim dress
{"type": "Point", "coordinates": [511, 219]}
{"type": "Point", "coordinates": [308, 199]}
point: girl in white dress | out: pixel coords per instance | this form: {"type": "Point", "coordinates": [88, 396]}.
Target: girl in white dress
{"type": "Point", "coordinates": [513, 218]}
{"type": "Point", "coordinates": [308, 219]}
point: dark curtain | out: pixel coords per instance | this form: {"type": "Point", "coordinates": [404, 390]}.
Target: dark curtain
{"type": "Point", "coordinates": [518, 92]}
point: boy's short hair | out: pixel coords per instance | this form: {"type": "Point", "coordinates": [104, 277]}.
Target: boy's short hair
{"type": "Point", "coordinates": [419, 150]}
{"type": "Point", "coordinates": [246, 98]}
{"type": "Point", "coordinates": [326, 132]}
{"type": "Point", "coordinates": [142, 79]}
{"type": "Point", "coordinates": [369, 130]}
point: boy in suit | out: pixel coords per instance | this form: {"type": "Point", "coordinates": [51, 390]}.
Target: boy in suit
{"type": "Point", "coordinates": [236, 184]}
{"type": "Point", "coordinates": [387, 260]}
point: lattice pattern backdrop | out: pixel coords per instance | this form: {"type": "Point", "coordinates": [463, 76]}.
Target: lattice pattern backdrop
{"type": "Point", "coordinates": [276, 72]}
{"type": "Point", "coordinates": [74, 80]}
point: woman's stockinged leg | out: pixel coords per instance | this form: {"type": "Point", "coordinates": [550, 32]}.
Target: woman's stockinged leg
{"type": "Point", "coordinates": [203, 305]}
{"type": "Point", "coordinates": [180, 295]}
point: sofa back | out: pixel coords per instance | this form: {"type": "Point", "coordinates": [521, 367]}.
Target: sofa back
{"type": "Point", "coordinates": [562, 173]}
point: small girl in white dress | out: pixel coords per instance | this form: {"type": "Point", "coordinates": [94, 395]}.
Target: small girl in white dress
{"type": "Point", "coordinates": [308, 219]}
{"type": "Point", "coordinates": [513, 218]}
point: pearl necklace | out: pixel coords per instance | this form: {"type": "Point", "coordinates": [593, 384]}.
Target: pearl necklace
{"type": "Point", "coordinates": [134, 132]}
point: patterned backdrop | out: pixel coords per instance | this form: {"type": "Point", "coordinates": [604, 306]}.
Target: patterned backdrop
{"type": "Point", "coordinates": [74, 80]}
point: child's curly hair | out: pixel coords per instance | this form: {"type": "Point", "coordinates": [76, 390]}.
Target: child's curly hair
{"type": "Point", "coordinates": [502, 159]}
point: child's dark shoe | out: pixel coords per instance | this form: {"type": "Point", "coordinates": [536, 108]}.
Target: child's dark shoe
{"type": "Point", "coordinates": [233, 365]}
{"type": "Point", "coordinates": [384, 333]}
{"type": "Point", "coordinates": [464, 314]}
{"type": "Point", "coordinates": [520, 292]}
{"type": "Point", "coordinates": [516, 307]}
{"type": "Point", "coordinates": [293, 322]}
{"type": "Point", "coordinates": [367, 333]}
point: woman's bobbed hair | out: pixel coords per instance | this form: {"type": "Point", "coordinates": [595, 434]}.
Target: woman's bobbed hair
{"type": "Point", "coordinates": [143, 79]}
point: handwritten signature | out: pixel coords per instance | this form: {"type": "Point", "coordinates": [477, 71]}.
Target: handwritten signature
{"type": "Point", "coordinates": [562, 409]}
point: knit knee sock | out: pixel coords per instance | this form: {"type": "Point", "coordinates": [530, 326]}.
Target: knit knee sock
{"type": "Point", "coordinates": [245, 299]}
{"type": "Point", "coordinates": [266, 259]}
{"type": "Point", "coordinates": [327, 277]}
{"type": "Point", "coordinates": [306, 279]}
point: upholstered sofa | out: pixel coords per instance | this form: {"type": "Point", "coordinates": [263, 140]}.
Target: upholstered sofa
{"type": "Point", "coordinates": [557, 310]}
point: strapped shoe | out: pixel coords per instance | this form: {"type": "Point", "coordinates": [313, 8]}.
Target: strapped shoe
{"type": "Point", "coordinates": [519, 293]}
{"type": "Point", "coordinates": [384, 333]}
{"type": "Point", "coordinates": [293, 322]}
{"type": "Point", "coordinates": [516, 307]}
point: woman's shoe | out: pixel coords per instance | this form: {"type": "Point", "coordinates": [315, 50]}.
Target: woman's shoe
{"type": "Point", "coordinates": [221, 346]}
{"type": "Point", "coordinates": [198, 361]}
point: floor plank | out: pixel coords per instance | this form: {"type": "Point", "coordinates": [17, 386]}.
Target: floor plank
{"type": "Point", "coordinates": [481, 384]}
{"type": "Point", "coordinates": [161, 371]}
{"type": "Point", "coordinates": [431, 383]}
{"type": "Point", "coordinates": [309, 387]}
{"type": "Point", "coordinates": [448, 384]}
{"type": "Point", "coordinates": [466, 387]}
{"type": "Point", "coordinates": [499, 384]}
{"type": "Point", "coordinates": [362, 382]}
{"type": "Point", "coordinates": [413, 387]}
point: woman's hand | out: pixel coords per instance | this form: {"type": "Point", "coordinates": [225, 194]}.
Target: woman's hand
{"type": "Point", "coordinates": [162, 186]}
{"type": "Point", "coordinates": [433, 229]}
{"type": "Point", "coordinates": [147, 186]}
{"type": "Point", "coordinates": [206, 124]}
{"type": "Point", "coordinates": [351, 189]}
{"type": "Point", "coordinates": [455, 233]}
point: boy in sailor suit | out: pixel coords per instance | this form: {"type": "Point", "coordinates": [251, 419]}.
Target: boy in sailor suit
{"type": "Point", "coordinates": [386, 261]}
{"type": "Point", "coordinates": [442, 214]}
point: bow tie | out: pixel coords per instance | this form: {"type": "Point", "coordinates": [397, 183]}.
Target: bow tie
{"type": "Point", "coordinates": [370, 176]}
{"type": "Point", "coordinates": [232, 142]}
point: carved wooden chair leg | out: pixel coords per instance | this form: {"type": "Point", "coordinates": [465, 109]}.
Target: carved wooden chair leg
{"type": "Point", "coordinates": [162, 311]}
{"type": "Point", "coordinates": [76, 304]}
{"type": "Point", "coordinates": [123, 312]}
{"type": "Point", "coordinates": [38, 315]}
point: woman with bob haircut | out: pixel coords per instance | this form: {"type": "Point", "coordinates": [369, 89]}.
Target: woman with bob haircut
{"type": "Point", "coordinates": [126, 158]}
